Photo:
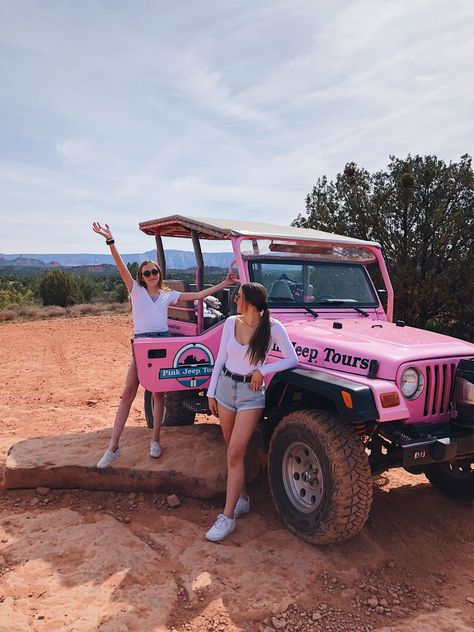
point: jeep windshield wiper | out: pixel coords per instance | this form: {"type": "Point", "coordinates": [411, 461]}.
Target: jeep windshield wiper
{"type": "Point", "coordinates": [336, 301]}
{"type": "Point", "coordinates": [310, 311]}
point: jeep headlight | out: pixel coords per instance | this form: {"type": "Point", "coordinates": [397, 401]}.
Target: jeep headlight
{"type": "Point", "coordinates": [412, 383]}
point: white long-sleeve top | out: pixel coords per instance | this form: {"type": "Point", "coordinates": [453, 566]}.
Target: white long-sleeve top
{"type": "Point", "coordinates": [233, 355]}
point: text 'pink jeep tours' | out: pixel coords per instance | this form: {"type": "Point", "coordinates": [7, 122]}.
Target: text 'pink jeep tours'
{"type": "Point", "coordinates": [368, 394]}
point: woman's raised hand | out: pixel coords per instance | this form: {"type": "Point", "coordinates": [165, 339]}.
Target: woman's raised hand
{"type": "Point", "coordinates": [104, 231]}
{"type": "Point", "coordinates": [231, 279]}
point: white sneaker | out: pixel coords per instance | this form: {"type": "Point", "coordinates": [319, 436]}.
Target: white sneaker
{"type": "Point", "coordinates": [222, 527]}
{"type": "Point", "coordinates": [155, 449]}
{"type": "Point", "coordinates": [109, 457]}
{"type": "Point", "coordinates": [242, 507]}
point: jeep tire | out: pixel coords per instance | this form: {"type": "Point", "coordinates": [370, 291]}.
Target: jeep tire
{"type": "Point", "coordinates": [176, 413]}
{"type": "Point", "coordinates": [319, 477]}
{"type": "Point", "coordinates": [455, 479]}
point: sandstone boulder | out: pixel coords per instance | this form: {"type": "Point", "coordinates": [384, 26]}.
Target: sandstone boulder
{"type": "Point", "coordinates": [193, 462]}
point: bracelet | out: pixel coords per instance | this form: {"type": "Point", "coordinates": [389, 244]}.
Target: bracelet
{"type": "Point", "coordinates": [109, 242]}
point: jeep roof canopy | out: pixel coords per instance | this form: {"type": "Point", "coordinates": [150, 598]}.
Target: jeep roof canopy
{"type": "Point", "coordinates": [198, 228]}
{"type": "Point", "coordinates": [214, 228]}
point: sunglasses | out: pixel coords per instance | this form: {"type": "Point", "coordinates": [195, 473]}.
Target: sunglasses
{"type": "Point", "coordinates": [153, 272]}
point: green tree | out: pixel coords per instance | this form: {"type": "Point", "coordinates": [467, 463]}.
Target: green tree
{"type": "Point", "coordinates": [421, 211]}
{"type": "Point", "coordinates": [121, 293]}
{"type": "Point", "coordinates": [60, 288]}
{"type": "Point", "coordinates": [88, 286]}
{"type": "Point", "coordinates": [133, 269]}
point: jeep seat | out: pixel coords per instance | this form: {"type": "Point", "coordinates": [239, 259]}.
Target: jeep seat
{"type": "Point", "coordinates": [187, 315]}
{"type": "Point", "coordinates": [280, 289]}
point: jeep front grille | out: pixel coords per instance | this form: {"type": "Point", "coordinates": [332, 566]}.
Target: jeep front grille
{"type": "Point", "coordinates": [439, 388]}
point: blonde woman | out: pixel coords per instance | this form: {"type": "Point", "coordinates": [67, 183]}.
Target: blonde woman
{"type": "Point", "coordinates": [150, 300]}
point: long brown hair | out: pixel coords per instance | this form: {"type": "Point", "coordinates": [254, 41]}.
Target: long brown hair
{"type": "Point", "coordinates": [140, 280]}
{"type": "Point", "coordinates": [256, 295]}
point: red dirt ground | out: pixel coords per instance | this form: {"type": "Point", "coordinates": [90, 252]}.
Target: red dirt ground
{"type": "Point", "coordinates": [78, 560]}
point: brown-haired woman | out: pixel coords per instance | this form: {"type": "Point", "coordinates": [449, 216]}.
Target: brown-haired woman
{"type": "Point", "coordinates": [236, 392]}
{"type": "Point", "coordinates": [150, 300]}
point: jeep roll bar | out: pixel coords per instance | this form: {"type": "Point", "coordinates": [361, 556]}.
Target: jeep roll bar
{"type": "Point", "coordinates": [197, 228]}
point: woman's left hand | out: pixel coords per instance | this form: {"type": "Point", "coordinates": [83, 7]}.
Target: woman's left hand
{"type": "Point", "coordinates": [231, 279]}
{"type": "Point", "coordinates": [212, 403]}
{"type": "Point", "coordinates": [256, 380]}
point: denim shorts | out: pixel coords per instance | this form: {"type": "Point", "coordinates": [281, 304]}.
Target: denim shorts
{"type": "Point", "coordinates": [237, 396]}
{"type": "Point", "coordinates": [154, 334]}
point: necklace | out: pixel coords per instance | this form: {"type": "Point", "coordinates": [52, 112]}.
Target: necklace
{"type": "Point", "coordinates": [250, 325]}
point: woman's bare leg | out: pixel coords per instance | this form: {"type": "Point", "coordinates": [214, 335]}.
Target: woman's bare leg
{"type": "Point", "coordinates": [244, 425]}
{"type": "Point", "coordinates": [128, 395]}
{"type": "Point", "coordinates": [227, 419]}
{"type": "Point", "coordinates": [158, 410]}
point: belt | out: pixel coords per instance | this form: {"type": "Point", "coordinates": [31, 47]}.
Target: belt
{"type": "Point", "coordinates": [236, 376]}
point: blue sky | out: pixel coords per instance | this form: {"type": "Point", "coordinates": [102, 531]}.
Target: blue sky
{"type": "Point", "coordinates": [125, 111]}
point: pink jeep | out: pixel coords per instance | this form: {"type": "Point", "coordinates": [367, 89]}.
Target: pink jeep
{"type": "Point", "coordinates": [368, 394]}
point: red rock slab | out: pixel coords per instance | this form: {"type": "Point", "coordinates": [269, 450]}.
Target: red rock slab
{"type": "Point", "coordinates": [193, 462]}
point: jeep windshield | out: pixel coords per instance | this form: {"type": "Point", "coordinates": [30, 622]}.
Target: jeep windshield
{"type": "Point", "coordinates": [315, 283]}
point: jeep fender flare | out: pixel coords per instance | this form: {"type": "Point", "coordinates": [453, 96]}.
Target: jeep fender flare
{"type": "Point", "coordinates": [327, 386]}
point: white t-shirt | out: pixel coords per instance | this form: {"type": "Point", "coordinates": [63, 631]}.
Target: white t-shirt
{"type": "Point", "coordinates": [234, 355]}
{"type": "Point", "coordinates": [151, 315]}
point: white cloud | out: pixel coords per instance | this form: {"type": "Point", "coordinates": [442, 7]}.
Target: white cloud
{"type": "Point", "coordinates": [128, 113]}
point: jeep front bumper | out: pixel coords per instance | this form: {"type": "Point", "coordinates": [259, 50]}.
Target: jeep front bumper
{"type": "Point", "coordinates": [437, 450]}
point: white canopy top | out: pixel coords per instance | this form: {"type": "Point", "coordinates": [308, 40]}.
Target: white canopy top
{"type": "Point", "coordinates": [216, 228]}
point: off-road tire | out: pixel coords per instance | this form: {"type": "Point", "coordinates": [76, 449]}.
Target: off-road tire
{"type": "Point", "coordinates": [343, 484]}
{"type": "Point", "coordinates": [455, 479]}
{"type": "Point", "coordinates": [176, 414]}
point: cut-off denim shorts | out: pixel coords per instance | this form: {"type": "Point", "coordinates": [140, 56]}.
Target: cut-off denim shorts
{"type": "Point", "coordinates": [237, 396]}
{"type": "Point", "coordinates": [154, 334]}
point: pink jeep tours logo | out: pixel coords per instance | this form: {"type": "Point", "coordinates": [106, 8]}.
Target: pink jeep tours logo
{"type": "Point", "coordinates": [192, 366]}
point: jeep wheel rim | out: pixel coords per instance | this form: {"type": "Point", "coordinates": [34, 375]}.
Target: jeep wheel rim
{"type": "Point", "coordinates": [302, 477]}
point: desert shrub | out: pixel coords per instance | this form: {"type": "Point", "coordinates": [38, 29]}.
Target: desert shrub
{"type": "Point", "coordinates": [88, 308]}
{"type": "Point", "coordinates": [60, 288]}
{"type": "Point", "coordinates": [55, 311]}
{"type": "Point", "coordinates": [11, 297]}
{"type": "Point", "coordinates": [122, 308]}
{"type": "Point", "coordinates": [121, 294]}
{"type": "Point", "coordinates": [8, 314]}
{"type": "Point", "coordinates": [30, 313]}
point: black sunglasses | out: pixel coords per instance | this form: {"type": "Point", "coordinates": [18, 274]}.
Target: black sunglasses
{"type": "Point", "coordinates": [153, 272]}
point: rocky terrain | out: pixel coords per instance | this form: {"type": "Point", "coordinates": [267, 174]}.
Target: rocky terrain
{"type": "Point", "coordinates": [100, 560]}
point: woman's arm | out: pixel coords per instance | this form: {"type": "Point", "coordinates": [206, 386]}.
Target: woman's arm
{"type": "Point", "coordinates": [122, 268]}
{"type": "Point", "coordinates": [219, 364]}
{"type": "Point", "coordinates": [195, 296]}
{"type": "Point", "coordinates": [279, 337]}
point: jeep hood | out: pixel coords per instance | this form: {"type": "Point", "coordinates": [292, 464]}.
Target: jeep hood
{"type": "Point", "coordinates": [352, 345]}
